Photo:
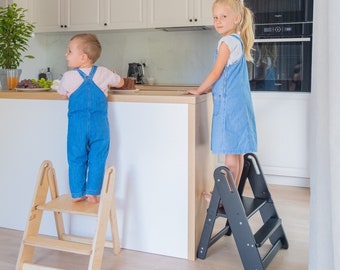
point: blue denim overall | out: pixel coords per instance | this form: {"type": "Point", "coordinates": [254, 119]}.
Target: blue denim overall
{"type": "Point", "coordinates": [233, 123]}
{"type": "Point", "coordinates": [88, 137]}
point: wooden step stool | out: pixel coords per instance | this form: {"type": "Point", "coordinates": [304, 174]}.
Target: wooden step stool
{"type": "Point", "coordinates": [105, 212]}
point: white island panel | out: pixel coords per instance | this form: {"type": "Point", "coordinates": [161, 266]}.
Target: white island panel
{"type": "Point", "coordinates": [149, 147]}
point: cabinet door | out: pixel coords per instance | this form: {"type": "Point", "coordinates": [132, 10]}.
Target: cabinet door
{"type": "Point", "coordinates": [83, 15]}
{"type": "Point", "coordinates": [203, 12]}
{"type": "Point", "coordinates": [165, 13]}
{"type": "Point", "coordinates": [125, 14]}
{"type": "Point", "coordinates": [65, 15]}
{"type": "Point", "coordinates": [46, 15]}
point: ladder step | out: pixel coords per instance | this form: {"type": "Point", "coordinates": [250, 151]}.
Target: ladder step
{"type": "Point", "coordinates": [60, 245]}
{"type": "Point", "coordinates": [218, 235]}
{"type": "Point", "coordinates": [86, 240]}
{"type": "Point", "coordinates": [271, 253]}
{"type": "Point", "coordinates": [251, 206]}
{"type": "Point", "coordinates": [30, 266]}
{"type": "Point", "coordinates": [65, 204]}
{"type": "Point", "coordinates": [267, 229]}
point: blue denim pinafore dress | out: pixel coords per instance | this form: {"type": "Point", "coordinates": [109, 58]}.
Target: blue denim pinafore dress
{"type": "Point", "coordinates": [233, 123]}
{"type": "Point", "coordinates": [88, 137]}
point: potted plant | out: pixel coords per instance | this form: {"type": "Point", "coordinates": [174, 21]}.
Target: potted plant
{"type": "Point", "coordinates": [15, 33]}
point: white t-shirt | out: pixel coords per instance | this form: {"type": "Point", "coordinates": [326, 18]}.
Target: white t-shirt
{"type": "Point", "coordinates": [103, 77]}
{"type": "Point", "coordinates": [235, 48]}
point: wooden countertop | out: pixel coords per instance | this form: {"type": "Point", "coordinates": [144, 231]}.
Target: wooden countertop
{"type": "Point", "coordinates": [146, 94]}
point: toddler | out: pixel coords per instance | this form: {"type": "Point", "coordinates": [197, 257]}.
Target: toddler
{"type": "Point", "coordinates": [88, 137]}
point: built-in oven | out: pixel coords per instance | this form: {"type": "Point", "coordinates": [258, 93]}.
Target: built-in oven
{"type": "Point", "coordinates": [282, 50]}
{"type": "Point", "coordinates": [281, 11]}
{"type": "Point", "coordinates": [281, 64]}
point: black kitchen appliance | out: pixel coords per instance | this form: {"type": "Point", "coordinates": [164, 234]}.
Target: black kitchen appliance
{"type": "Point", "coordinates": [136, 70]}
{"type": "Point", "coordinates": [281, 11]}
{"type": "Point", "coordinates": [283, 45]}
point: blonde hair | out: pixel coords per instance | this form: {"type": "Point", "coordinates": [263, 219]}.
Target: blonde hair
{"type": "Point", "coordinates": [246, 26]}
{"type": "Point", "coordinates": [90, 45]}
{"type": "Point", "coordinates": [267, 50]}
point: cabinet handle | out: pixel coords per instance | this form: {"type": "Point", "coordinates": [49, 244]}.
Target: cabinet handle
{"type": "Point", "coordinates": [195, 20]}
{"type": "Point", "coordinates": [105, 24]}
{"type": "Point", "coordinates": [190, 20]}
{"type": "Point", "coordinates": [65, 26]}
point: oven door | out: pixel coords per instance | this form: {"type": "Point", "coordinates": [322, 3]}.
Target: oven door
{"type": "Point", "coordinates": [281, 64]}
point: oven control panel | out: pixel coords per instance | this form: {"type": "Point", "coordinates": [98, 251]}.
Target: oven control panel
{"type": "Point", "coordinates": [283, 30]}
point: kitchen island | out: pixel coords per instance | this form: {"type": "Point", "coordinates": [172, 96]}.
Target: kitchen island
{"type": "Point", "coordinates": [160, 141]}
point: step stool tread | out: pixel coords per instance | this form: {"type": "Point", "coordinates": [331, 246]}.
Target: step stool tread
{"type": "Point", "coordinates": [31, 266]}
{"type": "Point", "coordinates": [60, 245]}
{"type": "Point", "coordinates": [251, 206]}
{"type": "Point", "coordinates": [65, 204]}
{"type": "Point", "coordinates": [271, 253]}
{"type": "Point", "coordinates": [266, 230]}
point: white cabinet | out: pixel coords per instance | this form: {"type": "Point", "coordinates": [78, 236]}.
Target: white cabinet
{"type": "Point", "coordinates": [83, 14]}
{"type": "Point", "coordinates": [46, 15]}
{"type": "Point", "coordinates": [90, 15]}
{"type": "Point", "coordinates": [65, 15]}
{"type": "Point", "coordinates": [87, 15]}
{"type": "Point", "coordinates": [127, 14]}
{"type": "Point", "coordinates": [203, 12]}
{"type": "Point", "coordinates": [176, 13]}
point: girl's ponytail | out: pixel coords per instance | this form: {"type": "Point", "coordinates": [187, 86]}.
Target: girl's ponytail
{"type": "Point", "coordinates": [247, 32]}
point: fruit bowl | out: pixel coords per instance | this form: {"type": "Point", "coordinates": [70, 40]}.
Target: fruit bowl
{"type": "Point", "coordinates": [34, 84]}
{"type": "Point", "coordinates": [31, 89]}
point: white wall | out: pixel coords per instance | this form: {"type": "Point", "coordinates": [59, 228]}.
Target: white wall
{"type": "Point", "coordinates": [171, 57]}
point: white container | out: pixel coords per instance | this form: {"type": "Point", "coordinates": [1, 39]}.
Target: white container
{"type": "Point", "coordinates": [151, 80]}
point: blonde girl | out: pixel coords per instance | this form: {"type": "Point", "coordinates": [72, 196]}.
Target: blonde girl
{"type": "Point", "coordinates": [233, 125]}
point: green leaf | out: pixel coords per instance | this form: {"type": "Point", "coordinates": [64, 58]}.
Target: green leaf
{"type": "Point", "coordinates": [15, 33]}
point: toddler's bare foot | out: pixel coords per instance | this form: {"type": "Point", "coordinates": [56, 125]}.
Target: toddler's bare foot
{"type": "Point", "coordinates": [79, 199]}
{"type": "Point", "coordinates": [92, 199]}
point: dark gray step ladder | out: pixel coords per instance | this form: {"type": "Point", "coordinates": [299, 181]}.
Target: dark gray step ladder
{"type": "Point", "coordinates": [256, 249]}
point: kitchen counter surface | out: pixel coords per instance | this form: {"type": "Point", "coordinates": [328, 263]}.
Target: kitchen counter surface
{"type": "Point", "coordinates": [145, 93]}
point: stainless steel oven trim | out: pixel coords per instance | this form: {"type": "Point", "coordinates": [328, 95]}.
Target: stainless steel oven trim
{"type": "Point", "coordinates": [272, 40]}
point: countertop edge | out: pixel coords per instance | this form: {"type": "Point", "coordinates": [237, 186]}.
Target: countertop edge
{"type": "Point", "coordinates": [150, 96]}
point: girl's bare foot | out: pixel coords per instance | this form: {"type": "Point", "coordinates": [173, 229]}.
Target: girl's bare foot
{"type": "Point", "coordinates": [206, 196]}
{"type": "Point", "coordinates": [92, 199]}
{"type": "Point", "coordinates": [79, 199]}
